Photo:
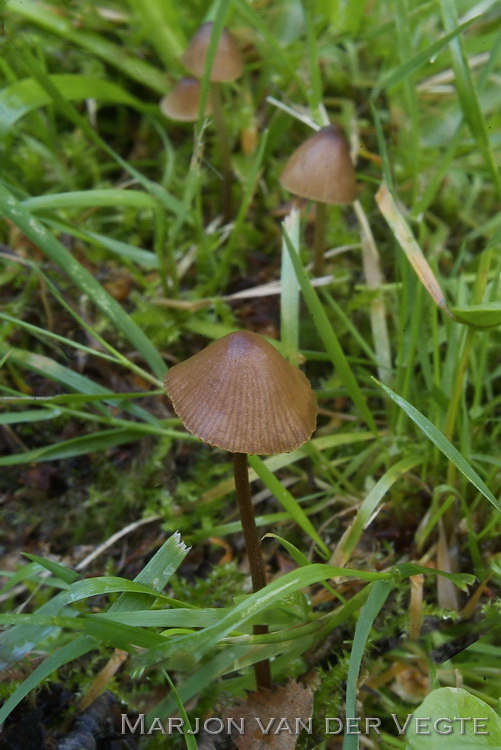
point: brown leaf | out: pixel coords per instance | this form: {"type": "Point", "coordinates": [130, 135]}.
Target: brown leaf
{"type": "Point", "coordinates": [273, 719]}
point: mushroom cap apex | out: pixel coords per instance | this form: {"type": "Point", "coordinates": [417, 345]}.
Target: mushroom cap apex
{"type": "Point", "coordinates": [241, 395]}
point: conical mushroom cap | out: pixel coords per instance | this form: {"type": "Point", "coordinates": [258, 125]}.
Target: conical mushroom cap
{"type": "Point", "coordinates": [227, 65]}
{"type": "Point", "coordinates": [321, 169]}
{"type": "Point", "coordinates": [241, 395]}
{"type": "Point", "coordinates": [183, 102]}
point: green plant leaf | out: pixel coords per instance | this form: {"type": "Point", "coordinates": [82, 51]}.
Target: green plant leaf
{"type": "Point", "coordinates": [200, 643]}
{"type": "Point", "coordinates": [91, 198]}
{"type": "Point", "coordinates": [189, 739]}
{"type": "Point", "coordinates": [49, 368]}
{"type": "Point", "coordinates": [328, 336]}
{"type": "Point", "coordinates": [377, 597]}
{"type": "Point", "coordinates": [160, 22]}
{"type": "Point", "coordinates": [368, 509]}
{"type": "Point", "coordinates": [429, 730]}
{"type": "Point", "coordinates": [467, 93]}
{"type": "Point", "coordinates": [155, 574]}
{"type": "Point", "coordinates": [59, 571]}
{"type": "Point", "coordinates": [84, 280]}
{"type": "Point", "coordinates": [26, 95]}
{"type": "Point", "coordinates": [444, 445]}
{"type": "Point", "coordinates": [462, 580]}
{"type": "Point", "coordinates": [287, 501]}
{"type": "Point", "coordinates": [31, 415]}
{"type": "Point", "coordinates": [289, 295]}
{"type": "Point", "coordinates": [486, 315]}
{"type": "Point", "coordinates": [167, 618]}
{"type": "Point", "coordinates": [67, 653]}
{"type": "Point", "coordinates": [403, 235]}
{"type": "Point", "coordinates": [98, 441]}
{"type": "Point", "coordinates": [344, 17]}
{"type": "Point", "coordinates": [392, 77]}
{"type": "Point", "coordinates": [24, 573]}
{"type": "Point", "coordinates": [116, 55]}
{"type": "Point", "coordinates": [118, 635]}
{"type": "Point", "coordinates": [108, 585]}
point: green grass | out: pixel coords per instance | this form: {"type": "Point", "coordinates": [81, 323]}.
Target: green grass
{"type": "Point", "coordinates": [115, 264]}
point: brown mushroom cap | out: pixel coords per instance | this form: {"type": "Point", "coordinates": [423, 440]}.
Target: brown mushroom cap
{"type": "Point", "coordinates": [183, 102]}
{"type": "Point", "coordinates": [241, 395]}
{"type": "Point", "coordinates": [227, 65]}
{"type": "Point", "coordinates": [321, 169]}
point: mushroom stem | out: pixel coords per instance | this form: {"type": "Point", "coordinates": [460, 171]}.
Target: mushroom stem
{"type": "Point", "coordinates": [253, 546]}
{"type": "Point", "coordinates": [224, 148]}
{"type": "Point", "coordinates": [319, 246]}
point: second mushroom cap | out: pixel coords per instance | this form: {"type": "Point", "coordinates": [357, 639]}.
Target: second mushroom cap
{"type": "Point", "coordinates": [321, 169]}
{"type": "Point", "coordinates": [241, 395]}
{"type": "Point", "coordinates": [227, 64]}
{"type": "Point", "coordinates": [183, 102]}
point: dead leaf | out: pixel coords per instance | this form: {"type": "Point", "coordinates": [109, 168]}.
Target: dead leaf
{"type": "Point", "coordinates": [273, 719]}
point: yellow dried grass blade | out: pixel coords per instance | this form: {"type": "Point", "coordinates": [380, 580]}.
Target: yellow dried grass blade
{"type": "Point", "coordinates": [405, 239]}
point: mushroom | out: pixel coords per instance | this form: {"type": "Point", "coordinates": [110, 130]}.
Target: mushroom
{"type": "Point", "coordinates": [183, 102]}
{"type": "Point", "coordinates": [321, 170]}
{"type": "Point", "coordinates": [241, 395]}
{"type": "Point", "coordinates": [226, 66]}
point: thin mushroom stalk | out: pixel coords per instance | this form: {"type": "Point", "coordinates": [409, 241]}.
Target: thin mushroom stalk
{"type": "Point", "coordinates": [241, 395]}
{"type": "Point", "coordinates": [253, 546]}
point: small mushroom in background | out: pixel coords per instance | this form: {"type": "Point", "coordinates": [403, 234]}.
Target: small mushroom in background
{"type": "Point", "coordinates": [227, 66]}
{"type": "Point", "coordinates": [241, 395]}
{"type": "Point", "coordinates": [321, 170]}
{"type": "Point", "coordinates": [183, 102]}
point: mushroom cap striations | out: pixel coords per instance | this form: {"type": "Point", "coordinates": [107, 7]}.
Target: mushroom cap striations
{"type": "Point", "coordinates": [227, 65]}
{"type": "Point", "coordinates": [183, 102]}
{"type": "Point", "coordinates": [321, 169]}
{"type": "Point", "coordinates": [241, 395]}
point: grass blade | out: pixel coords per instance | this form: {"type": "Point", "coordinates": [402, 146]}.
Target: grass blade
{"type": "Point", "coordinates": [289, 297]}
{"type": "Point", "coordinates": [84, 280]}
{"type": "Point", "coordinates": [467, 92]}
{"type": "Point", "coordinates": [91, 199]}
{"type": "Point", "coordinates": [48, 368]}
{"type": "Point", "coordinates": [53, 662]}
{"type": "Point", "coordinates": [413, 252]}
{"type": "Point", "coordinates": [287, 501]}
{"type": "Point", "coordinates": [329, 338]}
{"type": "Point", "coordinates": [189, 739]}
{"type": "Point", "coordinates": [200, 643]}
{"type": "Point", "coordinates": [98, 441]}
{"type": "Point", "coordinates": [370, 611]}
{"type": "Point", "coordinates": [160, 22]}
{"type": "Point", "coordinates": [114, 54]}
{"type": "Point", "coordinates": [155, 574]}
{"type": "Point", "coordinates": [366, 512]}
{"type": "Point", "coordinates": [392, 77]}
{"type": "Point", "coordinates": [444, 445]}
{"type": "Point", "coordinates": [22, 97]}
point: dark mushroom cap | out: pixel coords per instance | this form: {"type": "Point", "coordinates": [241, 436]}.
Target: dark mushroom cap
{"type": "Point", "coordinates": [227, 65]}
{"type": "Point", "coordinates": [321, 169]}
{"type": "Point", "coordinates": [241, 395]}
{"type": "Point", "coordinates": [183, 102]}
